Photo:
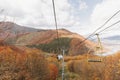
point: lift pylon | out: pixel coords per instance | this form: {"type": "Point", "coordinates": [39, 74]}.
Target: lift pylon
{"type": "Point", "coordinates": [98, 50]}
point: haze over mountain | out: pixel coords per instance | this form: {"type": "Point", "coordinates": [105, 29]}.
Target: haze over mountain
{"type": "Point", "coordinates": [12, 30]}
{"type": "Point", "coordinates": [15, 34]}
{"type": "Point", "coordinates": [116, 37]}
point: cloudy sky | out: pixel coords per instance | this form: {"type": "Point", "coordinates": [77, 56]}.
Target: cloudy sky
{"type": "Point", "coordinates": [80, 16]}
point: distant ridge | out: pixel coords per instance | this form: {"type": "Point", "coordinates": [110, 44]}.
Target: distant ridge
{"type": "Point", "coordinates": [14, 34]}
{"type": "Point", "coordinates": [117, 37]}
{"type": "Point", "coordinates": [13, 27]}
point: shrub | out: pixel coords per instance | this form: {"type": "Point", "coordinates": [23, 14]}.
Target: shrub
{"type": "Point", "coordinates": [23, 66]}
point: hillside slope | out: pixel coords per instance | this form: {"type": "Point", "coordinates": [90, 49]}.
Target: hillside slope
{"type": "Point", "coordinates": [49, 36]}
{"type": "Point", "coordinates": [19, 63]}
{"type": "Point", "coordinates": [18, 35]}
{"type": "Point", "coordinates": [10, 31]}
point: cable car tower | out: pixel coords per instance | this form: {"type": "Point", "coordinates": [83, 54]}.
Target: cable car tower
{"type": "Point", "coordinates": [98, 50]}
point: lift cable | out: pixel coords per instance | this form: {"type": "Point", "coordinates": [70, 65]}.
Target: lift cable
{"type": "Point", "coordinates": [92, 60]}
{"type": "Point", "coordinates": [109, 26]}
{"type": "Point", "coordinates": [99, 28]}
{"type": "Point", "coordinates": [101, 31]}
{"type": "Point", "coordinates": [56, 24]}
{"type": "Point", "coordinates": [55, 18]}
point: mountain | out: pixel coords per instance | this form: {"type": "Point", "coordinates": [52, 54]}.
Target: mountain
{"type": "Point", "coordinates": [10, 31]}
{"type": "Point", "coordinates": [116, 37]}
{"type": "Point", "coordinates": [46, 40]}
{"type": "Point", "coordinates": [112, 43]}
{"type": "Point", "coordinates": [15, 28]}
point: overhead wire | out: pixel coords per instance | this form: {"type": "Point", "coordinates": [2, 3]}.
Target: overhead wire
{"type": "Point", "coordinates": [106, 29]}
{"type": "Point", "coordinates": [55, 18]}
{"type": "Point", "coordinates": [109, 26]}
{"type": "Point", "coordinates": [56, 24]}
{"type": "Point", "coordinates": [54, 10]}
{"type": "Point", "coordinates": [99, 28]}
{"type": "Point", "coordinates": [101, 31]}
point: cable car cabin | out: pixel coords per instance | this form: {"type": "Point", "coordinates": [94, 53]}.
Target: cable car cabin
{"type": "Point", "coordinates": [94, 60]}
{"type": "Point", "coordinates": [95, 57]}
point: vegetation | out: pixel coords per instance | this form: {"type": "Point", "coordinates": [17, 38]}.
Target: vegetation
{"type": "Point", "coordinates": [31, 64]}
{"type": "Point", "coordinates": [23, 63]}
{"type": "Point", "coordinates": [108, 69]}
{"type": "Point", "coordinates": [54, 46]}
{"type": "Point", "coordinates": [27, 65]}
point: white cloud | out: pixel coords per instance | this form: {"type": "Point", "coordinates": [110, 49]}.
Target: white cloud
{"type": "Point", "coordinates": [37, 13]}
{"type": "Point", "coordinates": [103, 11]}
{"type": "Point", "coordinates": [83, 5]}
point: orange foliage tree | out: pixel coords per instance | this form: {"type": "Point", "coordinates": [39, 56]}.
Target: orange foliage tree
{"type": "Point", "coordinates": [108, 69]}
{"type": "Point", "coordinates": [25, 65]}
